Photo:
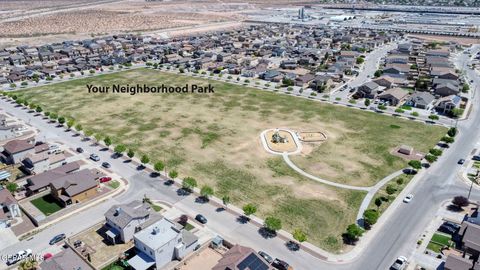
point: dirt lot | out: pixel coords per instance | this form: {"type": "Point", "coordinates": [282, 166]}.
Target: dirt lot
{"type": "Point", "coordinates": [215, 138]}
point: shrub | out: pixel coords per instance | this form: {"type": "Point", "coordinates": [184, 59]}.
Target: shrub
{"type": "Point", "coordinates": [378, 202]}
{"type": "Point", "coordinates": [452, 132]}
{"type": "Point", "coordinates": [273, 224]}
{"type": "Point", "coordinates": [399, 110]}
{"type": "Point", "coordinates": [189, 183]}
{"type": "Point", "coordinates": [436, 152]}
{"type": "Point", "coordinates": [415, 164]}
{"type": "Point", "coordinates": [370, 216]}
{"type": "Point", "coordinates": [415, 114]}
{"type": "Point", "coordinates": [431, 158]}
{"type": "Point", "coordinates": [447, 139]}
{"type": "Point", "coordinates": [382, 107]}
{"type": "Point", "coordinates": [400, 181]}
{"type": "Point", "coordinates": [353, 233]}
{"type": "Point", "coordinates": [391, 189]}
{"type": "Point", "coordinates": [433, 117]}
{"type": "Point", "coordinates": [249, 209]}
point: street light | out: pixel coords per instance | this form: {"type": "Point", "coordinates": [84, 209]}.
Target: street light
{"type": "Point", "coordinates": [471, 185]}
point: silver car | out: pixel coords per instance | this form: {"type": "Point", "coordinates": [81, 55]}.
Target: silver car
{"type": "Point", "coordinates": [399, 264]}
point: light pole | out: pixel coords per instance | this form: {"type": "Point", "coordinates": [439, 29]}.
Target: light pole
{"type": "Point", "coordinates": [471, 185]}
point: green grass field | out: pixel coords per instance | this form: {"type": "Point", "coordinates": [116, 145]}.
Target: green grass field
{"type": "Point", "coordinates": [216, 139]}
{"type": "Point", "coordinates": [47, 204]}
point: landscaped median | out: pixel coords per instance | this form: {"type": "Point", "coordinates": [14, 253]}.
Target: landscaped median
{"type": "Point", "coordinates": [214, 138]}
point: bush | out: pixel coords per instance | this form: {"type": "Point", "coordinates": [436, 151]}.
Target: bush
{"type": "Point", "coordinates": [400, 181]}
{"type": "Point", "coordinates": [399, 110]}
{"type": "Point", "coordinates": [460, 201]}
{"type": "Point", "coordinates": [353, 233]}
{"type": "Point", "coordinates": [370, 216]}
{"type": "Point", "coordinates": [416, 114]}
{"type": "Point", "coordinates": [382, 107]}
{"type": "Point", "coordinates": [415, 164]}
{"type": "Point", "coordinates": [378, 202]}
{"type": "Point", "coordinates": [273, 224]}
{"type": "Point", "coordinates": [391, 189]}
{"type": "Point", "coordinates": [189, 183]}
{"type": "Point", "coordinates": [173, 174]}
{"type": "Point", "coordinates": [447, 139]}
{"type": "Point", "coordinates": [433, 117]}
{"type": "Point", "coordinates": [431, 158]}
{"type": "Point", "coordinates": [249, 209]}
{"type": "Point", "coordinates": [436, 152]}
{"type": "Point", "coordinates": [452, 132]}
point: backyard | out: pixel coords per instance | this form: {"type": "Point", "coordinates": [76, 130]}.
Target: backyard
{"type": "Point", "coordinates": [47, 204]}
{"type": "Point", "coordinates": [216, 139]}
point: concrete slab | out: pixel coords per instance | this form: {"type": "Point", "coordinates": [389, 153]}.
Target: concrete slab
{"type": "Point", "coordinates": [8, 238]}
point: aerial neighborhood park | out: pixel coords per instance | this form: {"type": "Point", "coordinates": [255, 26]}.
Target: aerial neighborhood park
{"type": "Point", "coordinates": [215, 138]}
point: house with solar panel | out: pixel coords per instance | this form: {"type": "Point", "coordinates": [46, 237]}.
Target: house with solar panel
{"type": "Point", "coordinates": [242, 258]}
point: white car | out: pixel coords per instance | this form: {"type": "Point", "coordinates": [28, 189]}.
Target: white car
{"type": "Point", "coordinates": [408, 198]}
{"type": "Point", "coordinates": [399, 263]}
{"type": "Point", "coordinates": [21, 255]}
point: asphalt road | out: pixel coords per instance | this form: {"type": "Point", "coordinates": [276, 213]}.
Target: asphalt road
{"type": "Point", "coordinates": [397, 236]}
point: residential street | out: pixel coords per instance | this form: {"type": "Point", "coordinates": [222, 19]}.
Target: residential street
{"type": "Point", "coordinates": [397, 231]}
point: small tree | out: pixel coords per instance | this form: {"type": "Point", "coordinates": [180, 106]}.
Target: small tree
{"type": "Point", "coordinates": [108, 141]}
{"type": "Point", "coordinates": [145, 159]}
{"type": "Point", "coordinates": [70, 123]}
{"type": "Point", "coordinates": [159, 166]}
{"type": "Point", "coordinates": [452, 132]}
{"type": "Point", "coordinates": [130, 153]}
{"type": "Point", "coordinates": [447, 139]}
{"type": "Point", "coordinates": [78, 127]}
{"type": "Point", "coordinates": [460, 201]}
{"type": "Point", "coordinates": [173, 174]}
{"type": "Point", "coordinates": [431, 158]}
{"type": "Point", "coordinates": [273, 224]}
{"type": "Point", "coordinates": [38, 109]}
{"type": "Point", "coordinates": [206, 191]}
{"type": "Point", "coordinates": [378, 202]}
{"type": "Point", "coordinates": [370, 216]}
{"type": "Point", "coordinates": [226, 200]}
{"type": "Point", "coordinates": [61, 120]}
{"type": "Point", "coordinates": [415, 164]}
{"type": "Point", "coordinates": [88, 132]}
{"type": "Point", "coordinates": [391, 189]}
{"type": "Point", "coordinates": [53, 116]}
{"type": "Point", "coordinates": [12, 187]}
{"type": "Point", "coordinates": [249, 209]}
{"type": "Point", "coordinates": [353, 233]}
{"type": "Point", "coordinates": [299, 235]}
{"type": "Point", "coordinates": [119, 149]}
{"type": "Point", "coordinates": [367, 102]}
{"type": "Point", "coordinates": [189, 183]}
{"type": "Point", "coordinates": [436, 152]}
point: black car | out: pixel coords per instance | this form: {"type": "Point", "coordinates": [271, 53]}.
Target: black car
{"type": "Point", "coordinates": [57, 239]}
{"type": "Point", "coordinates": [461, 161]}
{"type": "Point", "coordinates": [447, 229]}
{"type": "Point", "coordinates": [281, 265]}
{"type": "Point", "coordinates": [476, 158]}
{"type": "Point", "coordinates": [80, 150]}
{"type": "Point", "coordinates": [106, 165]}
{"type": "Point", "coordinates": [200, 218]}
{"type": "Point", "coordinates": [266, 257]}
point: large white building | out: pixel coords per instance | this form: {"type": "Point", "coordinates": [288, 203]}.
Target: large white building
{"type": "Point", "coordinates": [160, 243]}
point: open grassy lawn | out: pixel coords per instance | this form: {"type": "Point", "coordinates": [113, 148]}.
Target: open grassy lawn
{"type": "Point", "coordinates": [438, 241]}
{"type": "Point", "coordinates": [216, 139]}
{"type": "Point", "coordinates": [47, 204]}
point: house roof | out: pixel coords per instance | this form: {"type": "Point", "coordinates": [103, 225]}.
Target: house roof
{"type": "Point", "coordinates": [77, 182]}
{"type": "Point", "coordinates": [17, 146]}
{"type": "Point", "coordinates": [123, 214]}
{"type": "Point", "coordinates": [6, 198]}
{"type": "Point", "coordinates": [455, 262]}
{"type": "Point", "coordinates": [44, 179]}
{"type": "Point", "coordinates": [422, 98]}
{"type": "Point", "coordinates": [397, 93]}
{"type": "Point", "coordinates": [65, 260]}
{"type": "Point", "coordinates": [158, 234]}
{"type": "Point", "coordinates": [241, 258]}
{"type": "Point", "coordinates": [471, 236]}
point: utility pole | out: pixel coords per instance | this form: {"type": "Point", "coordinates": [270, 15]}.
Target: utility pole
{"type": "Point", "coordinates": [471, 185]}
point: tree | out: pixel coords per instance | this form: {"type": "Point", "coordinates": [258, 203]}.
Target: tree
{"type": "Point", "coordinates": [378, 202]}
{"type": "Point", "coordinates": [226, 200]}
{"type": "Point", "coordinates": [360, 60]}
{"type": "Point", "coordinates": [370, 216]}
{"type": "Point", "coordinates": [299, 235]}
{"type": "Point", "coordinates": [452, 132]}
{"type": "Point", "coordinates": [367, 102]}
{"type": "Point", "coordinates": [415, 164]}
{"type": "Point", "coordinates": [273, 224]}
{"type": "Point", "coordinates": [378, 73]}
{"type": "Point", "coordinates": [53, 116]}
{"type": "Point", "coordinates": [38, 109]}
{"type": "Point", "coordinates": [249, 209]}
{"type": "Point", "coordinates": [70, 123]}
{"type": "Point", "coordinates": [28, 264]}
{"type": "Point", "coordinates": [119, 149]}
{"type": "Point", "coordinates": [173, 174]}
{"type": "Point", "coordinates": [88, 133]}
{"type": "Point", "coordinates": [130, 153]}
{"type": "Point", "coordinates": [145, 159]}
{"type": "Point", "coordinates": [206, 191]}
{"type": "Point", "coordinates": [390, 189]}
{"type": "Point", "coordinates": [431, 158]}
{"type": "Point", "coordinates": [189, 183]}
{"type": "Point", "coordinates": [78, 127]}
{"type": "Point", "coordinates": [436, 152]}
{"type": "Point", "coordinates": [457, 112]}
{"type": "Point", "coordinates": [159, 166]}
{"type": "Point", "coordinates": [447, 139]}
{"type": "Point", "coordinates": [108, 141]}
{"type": "Point", "coordinates": [460, 201]}
{"type": "Point", "coordinates": [61, 120]}
{"type": "Point", "coordinates": [12, 187]}
{"type": "Point", "coordinates": [353, 233]}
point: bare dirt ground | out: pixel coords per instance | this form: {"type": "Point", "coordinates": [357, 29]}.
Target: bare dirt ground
{"type": "Point", "coordinates": [460, 40]}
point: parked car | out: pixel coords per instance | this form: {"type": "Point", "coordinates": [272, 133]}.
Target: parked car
{"type": "Point", "coordinates": [57, 238]}
{"type": "Point", "coordinates": [105, 179]}
{"type": "Point", "coordinates": [476, 158]}
{"type": "Point", "coordinates": [79, 150]}
{"type": "Point", "coordinates": [453, 225]}
{"type": "Point", "coordinates": [281, 265]}
{"type": "Point", "coordinates": [265, 256]}
{"type": "Point", "coordinates": [399, 264]}
{"type": "Point", "coordinates": [106, 165]}
{"type": "Point", "coordinates": [408, 198]}
{"type": "Point", "coordinates": [447, 229]}
{"type": "Point", "coordinates": [200, 218]}
{"type": "Point", "coordinates": [47, 256]}
{"type": "Point", "coordinates": [21, 255]}
{"type": "Point", "coordinates": [461, 161]}
{"type": "Point", "coordinates": [94, 157]}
